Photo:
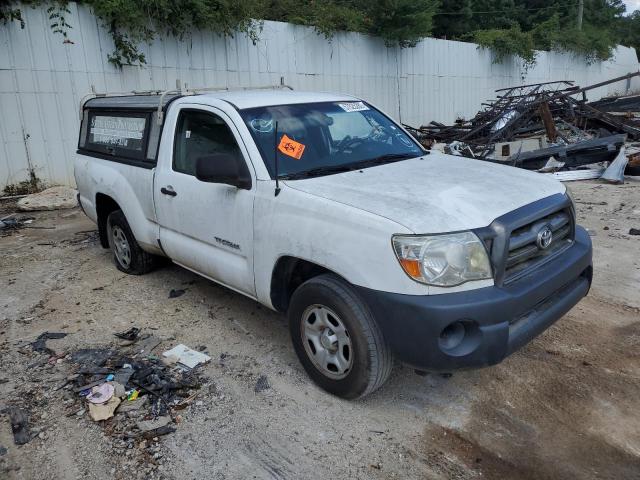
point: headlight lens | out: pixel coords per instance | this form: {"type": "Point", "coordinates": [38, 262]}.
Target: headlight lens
{"type": "Point", "coordinates": [443, 260]}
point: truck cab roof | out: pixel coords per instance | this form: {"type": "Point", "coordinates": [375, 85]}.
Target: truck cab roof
{"type": "Point", "coordinates": [240, 99]}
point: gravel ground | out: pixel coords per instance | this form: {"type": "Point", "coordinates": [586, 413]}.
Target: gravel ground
{"type": "Point", "coordinates": [566, 406]}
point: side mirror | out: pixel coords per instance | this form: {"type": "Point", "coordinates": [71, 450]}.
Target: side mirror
{"type": "Point", "coordinates": [223, 168]}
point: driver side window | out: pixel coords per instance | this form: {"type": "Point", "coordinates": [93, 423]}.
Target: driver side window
{"type": "Point", "coordinates": [199, 134]}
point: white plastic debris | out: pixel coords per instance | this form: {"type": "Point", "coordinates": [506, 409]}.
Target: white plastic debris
{"type": "Point", "coordinates": [186, 356]}
{"type": "Point", "coordinates": [101, 393]}
{"type": "Point", "coordinates": [552, 165]}
{"type": "Point", "coordinates": [615, 172]}
{"type": "Point", "coordinates": [572, 175]}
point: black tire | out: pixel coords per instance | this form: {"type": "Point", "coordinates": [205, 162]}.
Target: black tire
{"type": "Point", "coordinates": [371, 361]}
{"type": "Point", "coordinates": [140, 262]}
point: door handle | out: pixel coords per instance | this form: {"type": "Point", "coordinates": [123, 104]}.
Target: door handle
{"type": "Point", "coordinates": [168, 191]}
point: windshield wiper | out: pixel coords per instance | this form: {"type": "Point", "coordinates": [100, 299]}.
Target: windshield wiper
{"type": "Point", "coordinates": [331, 169]}
{"type": "Point", "coordinates": [316, 172]}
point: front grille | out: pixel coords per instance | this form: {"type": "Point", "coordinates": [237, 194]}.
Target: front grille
{"type": "Point", "coordinates": [523, 250]}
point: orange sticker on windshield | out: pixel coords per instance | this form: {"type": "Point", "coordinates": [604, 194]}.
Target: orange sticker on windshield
{"type": "Point", "coordinates": [291, 147]}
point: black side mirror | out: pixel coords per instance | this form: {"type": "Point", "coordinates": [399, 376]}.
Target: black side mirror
{"type": "Point", "coordinates": [223, 168]}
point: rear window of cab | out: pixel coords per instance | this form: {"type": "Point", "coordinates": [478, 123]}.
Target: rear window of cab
{"type": "Point", "coordinates": [121, 134]}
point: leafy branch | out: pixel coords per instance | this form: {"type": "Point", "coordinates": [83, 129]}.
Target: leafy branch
{"type": "Point", "coordinates": [508, 28]}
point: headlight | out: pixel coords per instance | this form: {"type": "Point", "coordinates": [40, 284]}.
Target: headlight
{"type": "Point", "coordinates": [443, 260]}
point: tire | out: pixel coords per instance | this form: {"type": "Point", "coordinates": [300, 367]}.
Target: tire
{"type": "Point", "coordinates": [326, 314]}
{"type": "Point", "coordinates": [127, 254]}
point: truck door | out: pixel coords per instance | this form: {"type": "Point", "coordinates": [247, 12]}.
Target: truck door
{"type": "Point", "coordinates": [205, 227]}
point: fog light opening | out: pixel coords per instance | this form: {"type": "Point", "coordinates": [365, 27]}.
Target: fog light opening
{"type": "Point", "coordinates": [452, 335]}
{"type": "Point", "coordinates": [460, 338]}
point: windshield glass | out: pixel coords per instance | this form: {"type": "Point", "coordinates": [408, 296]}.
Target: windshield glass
{"type": "Point", "coordinates": [316, 139]}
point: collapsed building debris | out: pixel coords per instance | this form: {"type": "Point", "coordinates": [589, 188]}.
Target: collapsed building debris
{"type": "Point", "coordinates": [528, 126]}
{"type": "Point", "coordinates": [622, 104]}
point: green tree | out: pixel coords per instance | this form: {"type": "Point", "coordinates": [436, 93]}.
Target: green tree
{"type": "Point", "coordinates": [508, 27]}
{"type": "Point", "coordinates": [453, 18]}
{"type": "Point", "coordinates": [402, 22]}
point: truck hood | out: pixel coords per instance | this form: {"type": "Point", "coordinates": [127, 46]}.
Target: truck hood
{"type": "Point", "coordinates": [435, 193]}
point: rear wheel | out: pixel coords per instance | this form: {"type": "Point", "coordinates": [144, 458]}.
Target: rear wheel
{"type": "Point", "coordinates": [127, 254]}
{"type": "Point", "coordinates": [337, 339]}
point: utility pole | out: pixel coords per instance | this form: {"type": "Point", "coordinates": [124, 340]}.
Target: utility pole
{"type": "Point", "coordinates": [580, 11]}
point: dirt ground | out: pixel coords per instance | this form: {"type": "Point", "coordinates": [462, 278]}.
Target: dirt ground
{"type": "Point", "coordinates": [566, 406]}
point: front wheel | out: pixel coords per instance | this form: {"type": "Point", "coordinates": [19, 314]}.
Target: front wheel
{"type": "Point", "coordinates": [337, 339]}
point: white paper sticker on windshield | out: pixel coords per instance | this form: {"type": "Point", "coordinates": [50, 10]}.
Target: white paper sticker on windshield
{"type": "Point", "coordinates": [353, 106]}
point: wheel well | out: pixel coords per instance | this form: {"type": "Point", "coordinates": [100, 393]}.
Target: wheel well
{"type": "Point", "coordinates": [104, 206]}
{"type": "Point", "coordinates": [288, 274]}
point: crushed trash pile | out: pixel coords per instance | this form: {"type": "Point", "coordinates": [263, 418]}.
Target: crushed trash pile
{"type": "Point", "coordinates": [134, 395]}
{"type": "Point", "coordinates": [145, 392]}
{"type": "Point", "coordinates": [550, 128]}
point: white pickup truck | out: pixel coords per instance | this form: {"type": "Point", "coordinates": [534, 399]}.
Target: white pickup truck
{"type": "Point", "coordinates": [321, 206]}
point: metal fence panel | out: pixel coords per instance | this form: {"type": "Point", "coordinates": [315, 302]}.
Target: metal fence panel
{"type": "Point", "coordinates": [42, 80]}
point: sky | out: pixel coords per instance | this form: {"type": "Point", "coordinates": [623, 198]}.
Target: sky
{"type": "Point", "coordinates": [632, 5]}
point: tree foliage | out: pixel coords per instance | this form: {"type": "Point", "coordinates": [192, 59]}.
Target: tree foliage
{"type": "Point", "coordinates": [398, 22]}
{"type": "Point", "coordinates": [132, 22]}
{"type": "Point", "coordinates": [507, 42]}
{"type": "Point", "coordinates": [507, 27]}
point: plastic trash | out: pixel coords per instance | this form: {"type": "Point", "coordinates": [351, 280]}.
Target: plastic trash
{"type": "Point", "coordinates": [186, 356]}
{"type": "Point", "coordinates": [615, 172]}
{"type": "Point", "coordinates": [132, 395]}
{"type": "Point", "coordinates": [101, 393]}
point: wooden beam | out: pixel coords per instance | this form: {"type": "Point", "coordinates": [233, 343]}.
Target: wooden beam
{"type": "Point", "coordinates": [547, 120]}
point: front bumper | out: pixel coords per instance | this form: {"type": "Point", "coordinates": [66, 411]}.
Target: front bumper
{"type": "Point", "coordinates": [494, 321]}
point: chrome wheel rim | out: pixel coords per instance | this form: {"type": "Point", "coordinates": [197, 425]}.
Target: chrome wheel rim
{"type": "Point", "coordinates": [326, 341]}
{"type": "Point", "coordinates": [121, 247]}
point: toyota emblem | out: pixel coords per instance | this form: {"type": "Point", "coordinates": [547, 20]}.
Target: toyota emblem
{"type": "Point", "coordinates": [544, 239]}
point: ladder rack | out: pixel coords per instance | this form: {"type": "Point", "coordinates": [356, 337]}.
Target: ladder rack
{"type": "Point", "coordinates": [179, 90]}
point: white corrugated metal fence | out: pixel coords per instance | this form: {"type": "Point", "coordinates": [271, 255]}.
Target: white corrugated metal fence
{"type": "Point", "coordinates": [42, 80]}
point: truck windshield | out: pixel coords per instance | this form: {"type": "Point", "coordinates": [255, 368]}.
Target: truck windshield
{"type": "Point", "coordinates": [317, 139]}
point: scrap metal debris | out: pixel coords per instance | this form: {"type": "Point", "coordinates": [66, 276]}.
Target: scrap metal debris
{"type": "Point", "coordinates": [548, 127]}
